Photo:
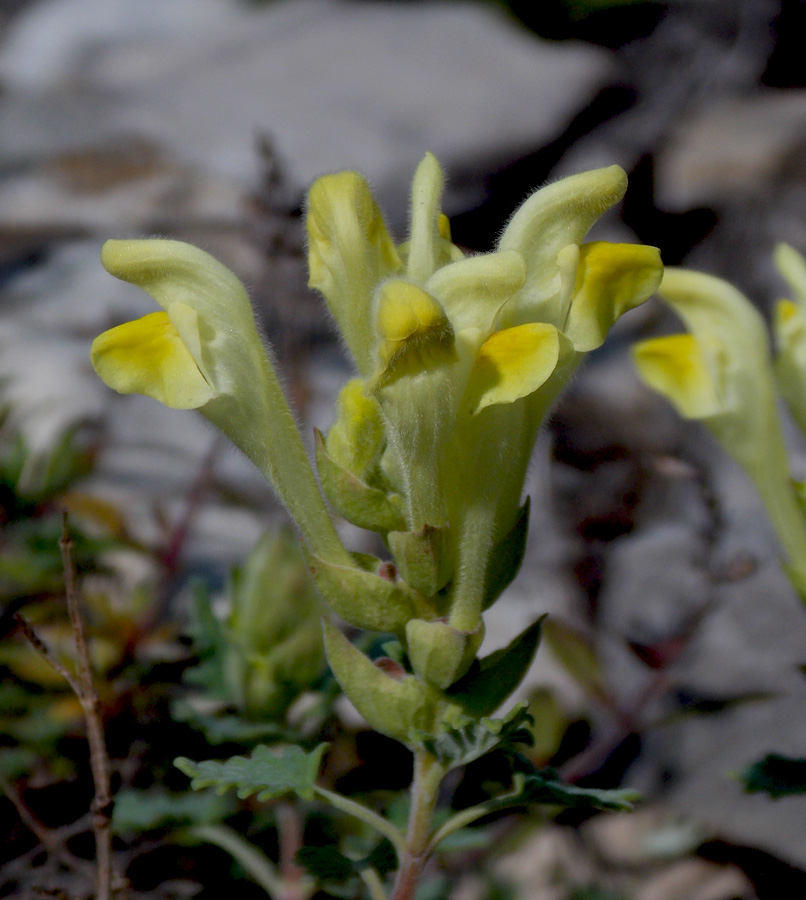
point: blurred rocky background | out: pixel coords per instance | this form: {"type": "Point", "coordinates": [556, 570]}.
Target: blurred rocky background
{"type": "Point", "coordinates": [206, 120]}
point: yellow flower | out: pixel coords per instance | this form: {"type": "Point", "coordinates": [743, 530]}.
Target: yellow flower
{"type": "Point", "coordinates": [721, 373]}
{"type": "Point", "coordinates": [203, 351]}
{"type": "Point", "coordinates": [468, 353]}
{"type": "Point", "coordinates": [789, 326]}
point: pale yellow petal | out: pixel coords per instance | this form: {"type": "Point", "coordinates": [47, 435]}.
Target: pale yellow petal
{"type": "Point", "coordinates": [513, 364]}
{"type": "Point", "coordinates": [610, 280]}
{"type": "Point", "coordinates": [148, 357]}
{"type": "Point", "coordinates": [675, 366]}
{"type": "Point", "coordinates": [473, 291]}
{"type": "Point", "coordinates": [425, 241]}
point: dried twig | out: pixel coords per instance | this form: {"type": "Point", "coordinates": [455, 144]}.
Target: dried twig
{"type": "Point", "coordinates": [49, 840]}
{"type": "Point", "coordinates": [83, 686]}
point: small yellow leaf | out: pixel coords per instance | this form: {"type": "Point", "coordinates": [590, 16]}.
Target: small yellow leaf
{"type": "Point", "coordinates": [514, 363]}
{"type": "Point", "coordinates": [148, 357]}
{"type": "Point", "coordinates": [676, 367]}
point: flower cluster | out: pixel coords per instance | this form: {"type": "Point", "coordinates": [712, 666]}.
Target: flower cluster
{"type": "Point", "coordinates": [458, 359]}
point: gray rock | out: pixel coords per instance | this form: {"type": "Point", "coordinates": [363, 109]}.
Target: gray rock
{"type": "Point", "coordinates": [730, 148]}
{"type": "Point", "coordinates": [337, 84]}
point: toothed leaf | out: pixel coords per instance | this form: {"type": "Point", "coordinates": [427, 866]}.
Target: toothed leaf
{"type": "Point", "coordinates": [266, 772]}
{"type": "Point", "coordinates": [472, 739]}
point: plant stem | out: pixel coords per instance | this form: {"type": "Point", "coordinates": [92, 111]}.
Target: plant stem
{"type": "Point", "coordinates": [296, 883]}
{"type": "Point", "coordinates": [46, 838]}
{"type": "Point", "coordinates": [257, 865]}
{"type": "Point", "coordinates": [427, 777]}
{"type": "Point", "coordinates": [88, 697]}
{"type": "Point", "coordinates": [82, 684]}
{"type": "Point", "coordinates": [462, 819]}
{"type": "Point", "coordinates": [374, 885]}
{"type": "Point", "coordinates": [384, 826]}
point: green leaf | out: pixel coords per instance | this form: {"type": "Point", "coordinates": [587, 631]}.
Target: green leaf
{"type": "Point", "coordinates": [394, 706]}
{"type": "Point", "coordinates": [489, 682]}
{"type": "Point", "coordinates": [266, 773]}
{"type": "Point", "coordinates": [17, 762]}
{"type": "Point", "coordinates": [506, 558]}
{"type": "Point", "coordinates": [228, 728]}
{"type": "Point", "coordinates": [545, 786]}
{"type": "Point", "coordinates": [471, 739]}
{"type": "Point", "coordinates": [145, 810]}
{"type": "Point", "coordinates": [210, 643]}
{"type": "Point", "coordinates": [776, 775]}
{"type": "Point", "coordinates": [58, 468]}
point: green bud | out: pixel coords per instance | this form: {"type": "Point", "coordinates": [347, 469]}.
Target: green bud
{"type": "Point", "coordinates": [395, 706]}
{"type": "Point", "coordinates": [439, 653]}
{"type": "Point", "coordinates": [353, 499]}
{"type": "Point", "coordinates": [357, 438]}
{"type": "Point", "coordinates": [363, 598]}
{"type": "Point", "coordinates": [424, 558]}
{"type": "Point", "coordinates": [273, 642]}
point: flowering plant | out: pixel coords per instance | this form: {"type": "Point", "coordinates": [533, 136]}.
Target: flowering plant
{"type": "Point", "coordinates": [458, 359]}
{"type": "Point", "coordinates": [722, 373]}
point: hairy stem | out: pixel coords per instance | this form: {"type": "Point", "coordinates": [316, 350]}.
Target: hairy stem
{"type": "Point", "coordinates": [427, 777]}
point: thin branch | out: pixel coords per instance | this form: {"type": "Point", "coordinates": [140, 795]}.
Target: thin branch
{"type": "Point", "coordinates": [384, 826]}
{"type": "Point", "coordinates": [374, 884]}
{"type": "Point", "coordinates": [83, 686]}
{"type": "Point", "coordinates": [48, 839]}
{"type": "Point", "coordinates": [44, 651]}
{"type": "Point", "coordinates": [458, 821]}
{"type": "Point", "coordinates": [88, 697]}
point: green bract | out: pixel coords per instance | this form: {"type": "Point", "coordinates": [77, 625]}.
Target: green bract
{"type": "Point", "coordinates": [458, 359]}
